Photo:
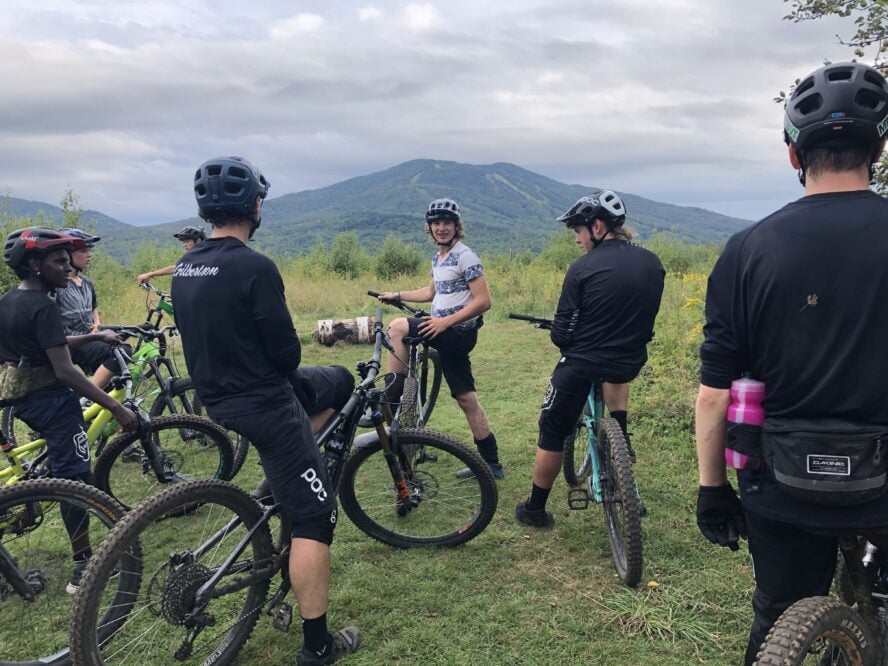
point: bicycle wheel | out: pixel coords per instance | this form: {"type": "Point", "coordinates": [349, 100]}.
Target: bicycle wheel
{"type": "Point", "coordinates": [430, 382]}
{"type": "Point", "coordinates": [576, 462]}
{"type": "Point", "coordinates": [182, 398]}
{"type": "Point", "coordinates": [188, 448]}
{"type": "Point", "coordinates": [409, 410]}
{"type": "Point", "coordinates": [160, 623]}
{"type": "Point", "coordinates": [33, 536]}
{"type": "Point", "coordinates": [444, 510]}
{"type": "Point", "coordinates": [622, 508]}
{"type": "Point", "coordinates": [822, 631]}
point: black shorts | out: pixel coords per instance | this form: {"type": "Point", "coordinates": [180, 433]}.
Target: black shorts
{"type": "Point", "coordinates": [321, 387]}
{"type": "Point", "coordinates": [292, 463]}
{"type": "Point", "coordinates": [59, 419]}
{"type": "Point", "coordinates": [91, 355]}
{"type": "Point", "coordinates": [454, 346]}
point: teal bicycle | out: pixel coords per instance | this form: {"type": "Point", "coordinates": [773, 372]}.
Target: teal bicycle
{"type": "Point", "coordinates": [597, 467]}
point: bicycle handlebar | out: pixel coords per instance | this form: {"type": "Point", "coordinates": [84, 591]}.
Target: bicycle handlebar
{"type": "Point", "coordinates": [147, 286]}
{"type": "Point", "coordinates": [150, 333]}
{"type": "Point", "coordinates": [539, 322]}
{"type": "Point", "coordinates": [416, 312]}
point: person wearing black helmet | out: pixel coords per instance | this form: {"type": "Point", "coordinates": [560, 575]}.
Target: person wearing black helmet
{"type": "Point", "coordinates": [188, 236]}
{"type": "Point", "coordinates": [797, 301]}
{"type": "Point", "coordinates": [78, 305]}
{"type": "Point", "coordinates": [36, 372]}
{"type": "Point", "coordinates": [459, 295]}
{"type": "Point", "coordinates": [604, 320]}
{"type": "Point", "coordinates": [241, 349]}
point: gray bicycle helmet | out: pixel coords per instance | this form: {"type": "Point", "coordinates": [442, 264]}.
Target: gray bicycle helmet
{"type": "Point", "coordinates": [89, 240]}
{"type": "Point", "coordinates": [443, 209]}
{"type": "Point", "coordinates": [190, 233]}
{"type": "Point", "coordinates": [604, 205]}
{"type": "Point", "coordinates": [842, 102]}
{"type": "Point", "coordinates": [228, 187]}
{"type": "Point", "coordinates": [29, 241]}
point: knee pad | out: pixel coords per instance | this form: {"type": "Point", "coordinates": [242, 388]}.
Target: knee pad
{"type": "Point", "coordinates": [316, 528]}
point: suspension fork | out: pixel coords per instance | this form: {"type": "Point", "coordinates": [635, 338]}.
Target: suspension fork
{"type": "Point", "coordinates": [389, 443]}
{"type": "Point", "coordinates": [9, 570]}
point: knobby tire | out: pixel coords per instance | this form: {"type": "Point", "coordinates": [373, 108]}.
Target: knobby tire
{"type": "Point", "coordinates": [447, 512]}
{"type": "Point", "coordinates": [147, 629]}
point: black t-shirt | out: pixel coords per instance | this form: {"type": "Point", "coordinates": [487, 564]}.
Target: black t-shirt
{"type": "Point", "coordinates": [29, 325]}
{"type": "Point", "coordinates": [237, 333]}
{"type": "Point", "coordinates": [798, 301]}
{"type": "Point", "coordinates": [607, 308]}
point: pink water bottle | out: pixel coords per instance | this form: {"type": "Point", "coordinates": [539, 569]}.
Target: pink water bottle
{"type": "Point", "coordinates": [745, 418]}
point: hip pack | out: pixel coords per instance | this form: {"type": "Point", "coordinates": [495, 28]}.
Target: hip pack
{"type": "Point", "coordinates": [826, 461]}
{"type": "Point", "coordinates": [16, 382]}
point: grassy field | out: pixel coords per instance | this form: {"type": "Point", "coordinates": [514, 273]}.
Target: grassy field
{"type": "Point", "coordinates": [516, 595]}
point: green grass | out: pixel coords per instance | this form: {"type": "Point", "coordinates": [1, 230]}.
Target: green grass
{"type": "Point", "coordinates": [516, 595]}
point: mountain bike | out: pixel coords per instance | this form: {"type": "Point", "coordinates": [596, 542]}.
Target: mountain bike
{"type": "Point", "coordinates": [156, 311]}
{"type": "Point", "coordinates": [201, 582]}
{"type": "Point", "coordinates": [598, 469]}
{"type": "Point", "coordinates": [826, 631]}
{"type": "Point", "coordinates": [423, 374]}
{"type": "Point", "coordinates": [168, 449]}
{"type": "Point", "coordinates": [37, 561]}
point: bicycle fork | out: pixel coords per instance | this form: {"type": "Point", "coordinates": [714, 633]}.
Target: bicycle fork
{"type": "Point", "coordinates": [27, 585]}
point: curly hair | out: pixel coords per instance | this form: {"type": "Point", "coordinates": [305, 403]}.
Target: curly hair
{"type": "Point", "coordinates": [459, 228]}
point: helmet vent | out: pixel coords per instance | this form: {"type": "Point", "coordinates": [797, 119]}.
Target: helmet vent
{"type": "Point", "coordinates": [804, 86]}
{"type": "Point", "coordinates": [233, 188]}
{"type": "Point", "coordinates": [237, 172]}
{"type": "Point", "coordinates": [839, 75]}
{"type": "Point", "coordinates": [214, 170]}
{"type": "Point", "coordinates": [810, 104]}
{"type": "Point", "coordinates": [874, 77]}
{"type": "Point", "coordinates": [201, 190]}
{"type": "Point", "coordinates": [869, 99]}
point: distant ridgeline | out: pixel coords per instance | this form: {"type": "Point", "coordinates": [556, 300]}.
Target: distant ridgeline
{"type": "Point", "coordinates": [504, 207]}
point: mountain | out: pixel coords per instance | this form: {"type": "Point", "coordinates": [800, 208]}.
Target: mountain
{"type": "Point", "coordinates": [503, 205]}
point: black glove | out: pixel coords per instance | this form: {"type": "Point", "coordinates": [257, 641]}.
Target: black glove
{"type": "Point", "coordinates": [720, 515]}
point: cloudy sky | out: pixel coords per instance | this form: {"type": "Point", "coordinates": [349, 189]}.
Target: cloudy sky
{"type": "Point", "coordinates": [670, 99]}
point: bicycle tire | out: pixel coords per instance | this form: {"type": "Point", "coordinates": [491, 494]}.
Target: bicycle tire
{"type": "Point", "coordinates": [819, 623]}
{"type": "Point", "coordinates": [166, 588]}
{"type": "Point", "coordinates": [183, 398]}
{"type": "Point", "coordinates": [576, 463]}
{"type": "Point", "coordinates": [205, 453]}
{"type": "Point", "coordinates": [367, 492]}
{"type": "Point", "coordinates": [429, 392]}
{"type": "Point", "coordinates": [408, 416]}
{"type": "Point", "coordinates": [36, 633]}
{"type": "Point", "coordinates": [7, 424]}
{"type": "Point", "coordinates": [622, 508]}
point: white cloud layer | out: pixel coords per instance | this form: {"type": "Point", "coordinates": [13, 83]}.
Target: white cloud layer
{"type": "Point", "coordinates": [669, 100]}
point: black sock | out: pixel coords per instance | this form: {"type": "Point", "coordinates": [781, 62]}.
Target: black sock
{"type": "Point", "coordinates": [317, 638]}
{"type": "Point", "coordinates": [488, 450]}
{"type": "Point", "coordinates": [620, 417]}
{"type": "Point", "coordinates": [538, 498]}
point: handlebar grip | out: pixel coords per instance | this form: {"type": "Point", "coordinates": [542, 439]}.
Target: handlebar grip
{"type": "Point", "coordinates": [374, 294]}
{"type": "Point", "coordinates": [523, 317]}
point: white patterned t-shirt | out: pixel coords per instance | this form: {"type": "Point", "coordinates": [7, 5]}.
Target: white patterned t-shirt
{"type": "Point", "coordinates": [451, 275]}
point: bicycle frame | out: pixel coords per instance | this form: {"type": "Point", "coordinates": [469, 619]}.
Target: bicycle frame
{"type": "Point", "coordinates": [595, 404]}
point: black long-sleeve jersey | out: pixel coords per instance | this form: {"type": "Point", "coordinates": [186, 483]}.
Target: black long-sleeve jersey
{"type": "Point", "coordinates": [609, 301]}
{"type": "Point", "coordinates": [237, 333]}
{"type": "Point", "coordinates": [799, 301]}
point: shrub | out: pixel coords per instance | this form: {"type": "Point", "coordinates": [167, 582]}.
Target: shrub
{"type": "Point", "coordinates": [347, 256]}
{"type": "Point", "coordinates": [560, 252]}
{"type": "Point", "coordinates": [396, 257]}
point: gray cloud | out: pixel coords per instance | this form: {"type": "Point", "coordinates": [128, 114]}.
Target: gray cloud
{"type": "Point", "coordinates": [669, 100]}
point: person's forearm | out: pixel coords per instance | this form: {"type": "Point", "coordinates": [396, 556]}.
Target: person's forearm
{"type": "Point", "coordinates": [710, 427]}
{"type": "Point", "coordinates": [75, 341]}
{"type": "Point", "coordinates": [97, 322]}
{"type": "Point", "coordinates": [422, 295]}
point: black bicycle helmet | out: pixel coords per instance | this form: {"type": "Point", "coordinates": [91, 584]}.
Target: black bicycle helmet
{"type": "Point", "coordinates": [228, 187]}
{"type": "Point", "coordinates": [604, 205]}
{"type": "Point", "coordinates": [443, 209]}
{"type": "Point", "coordinates": [190, 233]}
{"type": "Point", "coordinates": [88, 239]}
{"type": "Point", "coordinates": [36, 240]}
{"type": "Point", "coordinates": [847, 101]}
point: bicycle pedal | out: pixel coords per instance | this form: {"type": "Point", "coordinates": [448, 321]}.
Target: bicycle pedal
{"type": "Point", "coordinates": [282, 616]}
{"type": "Point", "coordinates": [578, 499]}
